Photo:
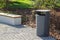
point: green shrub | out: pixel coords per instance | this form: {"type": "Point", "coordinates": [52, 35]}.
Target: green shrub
{"type": "Point", "coordinates": [2, 3]}
{"type": "Point", "coordinates": [57, 5]}
{"type": "Point", "coordinates": [47, 4]}
{"type": "Point", "coordinates": [18, 5]}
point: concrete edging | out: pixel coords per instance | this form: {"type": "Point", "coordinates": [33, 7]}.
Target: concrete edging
{"type": "Point", "coordinates": [10, 19]}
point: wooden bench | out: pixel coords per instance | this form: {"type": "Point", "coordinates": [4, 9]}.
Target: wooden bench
{"type": "Point", "coordinates": [10, 19]}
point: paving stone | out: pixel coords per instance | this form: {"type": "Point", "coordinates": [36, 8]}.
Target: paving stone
{"type": "Point", "coordinates": [8, 32]}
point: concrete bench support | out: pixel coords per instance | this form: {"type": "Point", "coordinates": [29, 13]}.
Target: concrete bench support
{"type": "Point", "coordinates": [10, 19]}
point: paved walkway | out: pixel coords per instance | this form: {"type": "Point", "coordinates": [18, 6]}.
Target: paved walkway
{"type": "Point", "coordinates": [19, 33]}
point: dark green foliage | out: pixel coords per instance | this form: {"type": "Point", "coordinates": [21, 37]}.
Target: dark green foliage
{"type": "Point", "coordinates": [17, 5]}
{"type": "Point", "coordinates": [2, 3]}
{"type": "Point", "coordinates": [57, 5]}
{"type": "Point", "coordinates": [22, 4]}
{"type": "Point", "coordinates": [47, 4]}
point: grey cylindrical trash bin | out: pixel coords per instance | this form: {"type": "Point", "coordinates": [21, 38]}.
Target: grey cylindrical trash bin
{"type": "Point", "coordinates": [42, 22]}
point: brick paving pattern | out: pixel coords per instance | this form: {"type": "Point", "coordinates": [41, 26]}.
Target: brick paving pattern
{"type": "Point", "coordinates": [19, 33]}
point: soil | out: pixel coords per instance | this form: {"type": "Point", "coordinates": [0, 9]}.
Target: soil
{"type": "Point", "coordinates": [55, 24]}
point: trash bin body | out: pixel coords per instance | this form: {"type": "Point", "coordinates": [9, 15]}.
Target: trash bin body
{"type": "Point", "coordinates": [42, 23]}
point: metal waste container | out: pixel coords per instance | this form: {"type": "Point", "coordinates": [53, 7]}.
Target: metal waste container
{"type": "Point", "coordinates": [42, 22]}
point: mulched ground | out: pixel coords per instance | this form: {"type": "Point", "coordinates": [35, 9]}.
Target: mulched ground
{"type": "Point", "coordinates": [55, 24]}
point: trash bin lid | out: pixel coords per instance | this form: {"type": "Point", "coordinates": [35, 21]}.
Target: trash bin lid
{"type": "Point", "coordinates": [42, 10]}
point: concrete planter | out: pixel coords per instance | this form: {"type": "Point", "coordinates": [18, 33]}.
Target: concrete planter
{"type": "Point", "coordinates": [42, 22]}
{"type": "Point", "coordinates": [10, 19]}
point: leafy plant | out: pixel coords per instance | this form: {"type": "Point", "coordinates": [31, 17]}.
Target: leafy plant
{"type": "Point", "coordinates": [47, 4]}
{"type": "Point", "coordinates": [57, 5]}
{"type": "Point", "coordinates": [20, 4]}
{"type": "Point", "coordinates": [2, 3]}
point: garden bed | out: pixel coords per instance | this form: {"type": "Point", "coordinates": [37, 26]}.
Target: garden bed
{"type": "Point", "coordinates": [55, 24]}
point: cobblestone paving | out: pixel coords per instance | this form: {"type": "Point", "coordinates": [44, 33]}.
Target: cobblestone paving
{"type": "Point", "coordinates": [19, 33]}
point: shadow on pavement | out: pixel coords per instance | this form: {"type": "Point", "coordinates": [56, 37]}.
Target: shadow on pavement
{"type": "Point", "coordinates": [17, 26]}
